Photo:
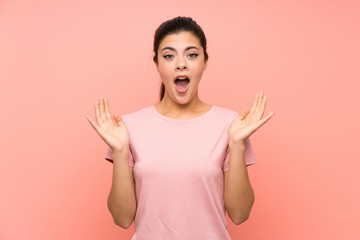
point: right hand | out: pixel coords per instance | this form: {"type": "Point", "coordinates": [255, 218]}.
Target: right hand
{"type": "Point", "coordinates": [111, 128]}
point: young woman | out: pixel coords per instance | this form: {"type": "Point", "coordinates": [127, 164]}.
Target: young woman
{"type": "Point", "coordinates": [179, 165]}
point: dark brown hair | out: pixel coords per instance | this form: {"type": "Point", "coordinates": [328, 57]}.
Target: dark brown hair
{"type": "Point", "coordinates": [177, 25]}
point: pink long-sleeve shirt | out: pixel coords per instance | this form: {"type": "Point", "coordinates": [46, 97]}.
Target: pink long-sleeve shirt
{"type": "Point", "coordinates": [178, 169]}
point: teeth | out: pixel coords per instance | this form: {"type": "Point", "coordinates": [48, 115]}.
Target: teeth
{"type": "Point", "coordinates": [182, 78]}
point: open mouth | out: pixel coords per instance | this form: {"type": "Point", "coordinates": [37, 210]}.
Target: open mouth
{"type": "Point", "coordinates": [182, 83]}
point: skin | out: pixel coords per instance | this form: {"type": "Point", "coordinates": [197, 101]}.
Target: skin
{"type": "Point", "coordinates": [122, 198]}
{"type": "Point", "coordinates": [181, 61]}
{"type": "Point", "coordinates": [238, 193]}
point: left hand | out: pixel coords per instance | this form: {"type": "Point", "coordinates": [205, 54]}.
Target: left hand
{"type": "Point", "coordinates": [248, 122]}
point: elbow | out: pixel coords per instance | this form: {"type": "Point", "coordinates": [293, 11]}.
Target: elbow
{"type": "Point", "coordinates": [242, 214]}
{"type": "Point", "coordinates": [120, 218]}
{"type": "Point", "coordinates": [241, 219]}
{"type": "Point", "coordinates": [122, 224]}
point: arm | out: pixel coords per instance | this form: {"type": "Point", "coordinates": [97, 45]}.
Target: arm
{"type": "Point", "coordinates": [112, 129]}
{"type": "Point", "coordinates": [122, 199]}
{"type": "Point", "coordinates": [238, 193]}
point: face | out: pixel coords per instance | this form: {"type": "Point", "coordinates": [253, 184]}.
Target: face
{"type": "Point", "coordinates": [181, 56]}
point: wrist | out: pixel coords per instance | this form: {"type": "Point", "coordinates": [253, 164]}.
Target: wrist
{"type": "Point", "coordinates": [120, 151]}
{"type": "Point", "coordinates": [237, 144]}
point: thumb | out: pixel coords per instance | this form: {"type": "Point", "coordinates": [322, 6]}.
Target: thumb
{"type": "Point", "coordinates": [117, 118]}
{"type": "Point", "coordinates": [243, 114]}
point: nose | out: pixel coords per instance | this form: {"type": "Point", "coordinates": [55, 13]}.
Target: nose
{"type": "Point", "coordinates": [181, 64]}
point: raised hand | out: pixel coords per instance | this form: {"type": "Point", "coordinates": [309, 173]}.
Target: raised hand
{"type": "Point", "coordinates": [249, 121]}
{"type": "Point", "coordinates": [111, 128]}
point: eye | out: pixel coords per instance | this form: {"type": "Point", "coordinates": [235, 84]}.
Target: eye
{"type": "Point", "coordinates": [193, 55]}
{"type": "Point", "coordinates": [168, 56]}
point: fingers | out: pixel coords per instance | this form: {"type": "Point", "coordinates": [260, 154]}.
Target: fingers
{"type": "Point", "coordinates": [258, 107]}
{"type": "Point", "coordinates": [259, 100]}
{"type": "Point", "coordinates": [264, 120]}
{"type": "Point", "coordinates": [262, 107]}
{"type": "Point", "coordinates": [97, 112]}
{"type": "Point", "coordinates": [102, 109]}
{"type": "Point", "coordinates": [92, 123]}
{"type": "Point", "coordinates": [107, 109]}
{"type": "Point", "coordinates": [254, 104]}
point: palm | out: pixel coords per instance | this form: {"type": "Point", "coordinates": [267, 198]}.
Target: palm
{"type": "Point", "coordinates": [249, 121]}
{"type": "Point", "coordinates": [112, 134]}
{"type": "Point", "coordinates": [112, 131]}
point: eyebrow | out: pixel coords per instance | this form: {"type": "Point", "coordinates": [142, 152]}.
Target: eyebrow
{"type": "Point", "coordinates": [173, 49]}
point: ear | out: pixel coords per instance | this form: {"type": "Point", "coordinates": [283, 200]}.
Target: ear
{"type": "Point", "coordinates": [156, 66]}
{"type": "Point", "coordinates": [205, 65]}
{"type": "Point", "coordinates": [156, 63]}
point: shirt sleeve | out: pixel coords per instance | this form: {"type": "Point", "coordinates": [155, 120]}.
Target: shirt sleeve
{"type": "Point", "coordinates": [249, 155]}
{"type": "Point", "coordinates": [108, 156]}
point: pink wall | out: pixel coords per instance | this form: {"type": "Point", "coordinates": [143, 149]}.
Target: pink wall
{"type": "Point", "coordinates": [56, 58]}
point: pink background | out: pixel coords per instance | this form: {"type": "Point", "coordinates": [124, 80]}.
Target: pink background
{"type": "Point", "coordinates": [58, 57]}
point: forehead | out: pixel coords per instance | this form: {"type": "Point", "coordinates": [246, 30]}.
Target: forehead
{"type": "Point", "coordinates": [180, 40]}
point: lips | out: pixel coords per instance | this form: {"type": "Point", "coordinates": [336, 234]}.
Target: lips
{"type": "Point", "coordinates": [181, 77]}
{"type": "Point", "coordinates": [182, 83]}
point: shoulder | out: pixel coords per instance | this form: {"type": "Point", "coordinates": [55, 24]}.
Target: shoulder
{"type": "Point", "coordinates": [225, 113]}
{"type": "Point", "coordinates": [222, 116]}
{"type": "Point", "coordinates": [137, 115]}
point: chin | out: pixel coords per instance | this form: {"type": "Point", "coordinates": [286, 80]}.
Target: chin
{"type": "Point", "coordinates": [183, 101]}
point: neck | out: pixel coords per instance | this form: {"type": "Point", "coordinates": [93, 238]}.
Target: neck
{"type": "Point", "coordinates": [168, 103]}
{"type": "Point", "coordinates": [169, 107]}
